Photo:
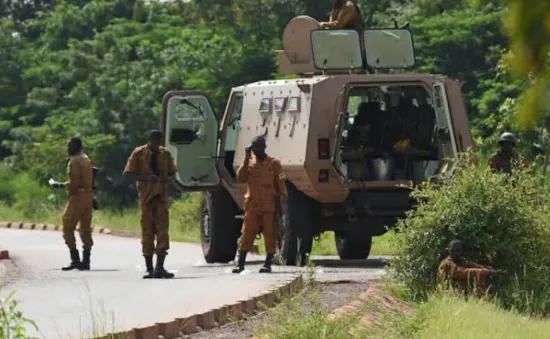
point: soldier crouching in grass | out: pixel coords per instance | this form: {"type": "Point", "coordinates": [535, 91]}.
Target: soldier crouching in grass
{"type": "Point", "coordinates": [463, 275]}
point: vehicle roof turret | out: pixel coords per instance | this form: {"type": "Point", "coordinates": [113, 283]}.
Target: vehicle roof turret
{"type": "Point", "coordinates": [309, 50]}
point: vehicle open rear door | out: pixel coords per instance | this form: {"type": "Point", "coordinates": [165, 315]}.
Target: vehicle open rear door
{"type": "Point", "coordinates": [444, 129]}
{"type": "Point", "coordinates": [191, 135]}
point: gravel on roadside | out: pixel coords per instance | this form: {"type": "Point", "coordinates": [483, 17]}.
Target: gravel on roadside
{"type": "Point", "coordinates": [332, 295]}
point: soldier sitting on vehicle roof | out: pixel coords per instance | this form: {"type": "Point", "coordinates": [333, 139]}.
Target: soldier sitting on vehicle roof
{"type": "Point", "coordinates": [347, 15]}
{"type": "Point", "coordinates": [344, 15]}
{"type": "Point", "coordinates": [463, 275]}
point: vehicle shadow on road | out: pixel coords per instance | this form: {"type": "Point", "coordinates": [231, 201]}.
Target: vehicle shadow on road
{"type": "Point", "coordinates": [337, 263]}
{"type": "Point", "coordinates": [229, 264]}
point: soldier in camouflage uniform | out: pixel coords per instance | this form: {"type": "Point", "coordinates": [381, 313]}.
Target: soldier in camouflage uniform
{"type": "Point", "coordinates": [503, 160]}
{"type": "Point", "coordinates": [265, 180]}
{"type": "Point", "coordinates": [152, 167]}
{"type": "Point", "coordinates": [462, 274]}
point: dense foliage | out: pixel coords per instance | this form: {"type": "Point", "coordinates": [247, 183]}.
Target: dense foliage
{"type": "Point", "coordinates": [502, 222]}
{"type": "Point", "coordinates": [528, 24]}
{"type": "Point", "coordinates": [99, 68]}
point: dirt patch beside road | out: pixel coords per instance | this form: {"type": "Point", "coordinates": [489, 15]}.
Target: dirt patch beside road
{"type": "Point", "coordinates": [8, 271]}
{"type": "Point", "coordinates": [330, 295]}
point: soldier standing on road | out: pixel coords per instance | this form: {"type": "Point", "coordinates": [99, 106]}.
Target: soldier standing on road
{"type": "Point", "coordinates": [265, 179]}
{"type": "Point", "coordinates": [503, 159]}
{"type": "Point", "coordinates": [463, 274]}
{"type": "Point", "coordinates": [79, 204]}
{"type": "Point", "coordinates": [152, 167]}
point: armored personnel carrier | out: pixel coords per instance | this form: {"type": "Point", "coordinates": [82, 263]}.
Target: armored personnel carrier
{"type": "Point", "coordinates": [354, 133]}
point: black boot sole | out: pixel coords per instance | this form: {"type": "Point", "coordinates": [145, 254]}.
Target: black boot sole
{"type": "Point", "coordinates": [161, 276]}
{"type": "Point", "coordinates": [70, 268]}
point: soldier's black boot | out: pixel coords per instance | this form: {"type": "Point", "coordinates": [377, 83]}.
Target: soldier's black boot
{"type": "Point", "coordinates": [75, 261]}
{"type": "Point", "coordinates": [85, 264]}
{"type": "Point", "coordinates": [240, 264]}
{"type": "Point", "coordinates": [148, 267]}
{"type": "Point", "coordinates": [266, 268]}
{"type": "Point", "coordinates": [160, 272]}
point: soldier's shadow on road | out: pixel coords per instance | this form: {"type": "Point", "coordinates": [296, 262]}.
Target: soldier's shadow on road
{"type": "Point", "coordinates": [104, 270]}
{"type": "Point", "coordinates": [91, 270]}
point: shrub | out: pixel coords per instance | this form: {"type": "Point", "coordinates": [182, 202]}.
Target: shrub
{"type": "Point", "coordinates": [33, 198]}
{"type": "Point", "coordinates": [12, 321]}
{"type": "Point", "coordinates": [6, 185]}
{"type": "Point", "coordinates": [24, 193]}
{"type": "Point", "coordinates": [501, 221]}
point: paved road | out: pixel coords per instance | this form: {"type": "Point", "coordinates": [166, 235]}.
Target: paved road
{"type": "Point", "coordinates": [113, 297]}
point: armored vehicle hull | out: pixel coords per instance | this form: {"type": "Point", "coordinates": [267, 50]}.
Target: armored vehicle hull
{"type": "Point", "coordinates": [352, 145]}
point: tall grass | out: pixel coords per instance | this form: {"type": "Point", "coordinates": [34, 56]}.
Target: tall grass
{"type": "Point", "coordinates": [446, 315]}
{"type": "Point", "coordinates": [303, 316]}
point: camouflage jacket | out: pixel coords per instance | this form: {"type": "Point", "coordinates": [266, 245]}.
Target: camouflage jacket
{"type": "Point", "coordinates": [464, 275]}
{"type": "Point", "coordinates": [502, 162]}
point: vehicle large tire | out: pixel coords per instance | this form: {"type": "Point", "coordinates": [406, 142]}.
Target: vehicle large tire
{"type": "Point", "coordinates": [297, 229]}
{"type": "Point", "coordinates": [351, 246]}
{"type": "Point", "coordinates": [220, 230]}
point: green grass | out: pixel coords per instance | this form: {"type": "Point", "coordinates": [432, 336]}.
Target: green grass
{"type": "Point", "coordinates": [446, 315]}
{"type": "Point", "coordinates": [302, 316]}
{"type": "Point", "coordinates": [452, 317]}
{"type": "Point", "coordinates": [184, 220]}
{"type": "Point", "coordinates": [184, 224]}
{"type": "Point", "coordinates": [325, 245]}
